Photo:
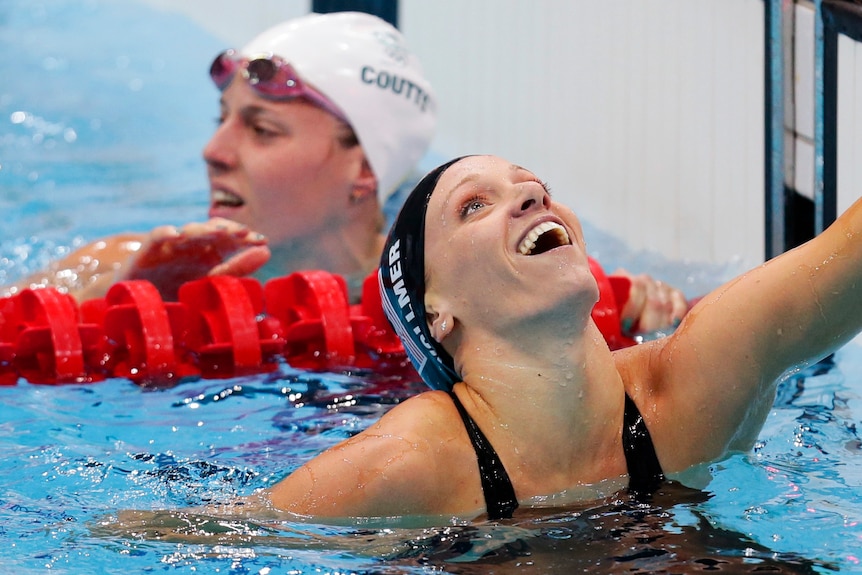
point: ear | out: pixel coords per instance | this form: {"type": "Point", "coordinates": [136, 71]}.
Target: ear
{"type": "Point", "coordinates": [441, 323]}
{"type": "Point", "coordinates": [365, 184]}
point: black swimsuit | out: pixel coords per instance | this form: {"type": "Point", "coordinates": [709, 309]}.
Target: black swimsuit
{"type": "Point", "coordinates": [645, 472]}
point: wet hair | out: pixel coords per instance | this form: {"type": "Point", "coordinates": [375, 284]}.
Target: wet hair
{"type": "Point", "coordinates": [402, 286]}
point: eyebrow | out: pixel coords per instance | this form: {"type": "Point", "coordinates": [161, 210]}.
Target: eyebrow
{"type": "Point", "coordinates": [466, 179]}
{"type": "Point", "coordinates": [537, 179]}
{"type": "Point", "coordinates": [253, 112]}
{"type": "Point", "coordinates": [516, 168]}
{"type": "Point", "coordinates": [475, 177]}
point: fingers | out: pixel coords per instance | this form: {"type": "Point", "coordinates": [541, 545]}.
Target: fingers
{"type": "Point", "coordinates": [170, 256]}
{"type": "Point", "coordinates": [664, 307]}
{"type": "Point", "coordinates": [163, 233]}
{"type": "Point", "coordinates": [198, 247]}
{"type": "Point", "coordinates": [653, 305]}
{"type": "Point", "coordinates": [244, 263]}
{"type": "Point", "coordinates": [220, 228]}
{"type": "Point", "coordinates": [679, 306]}
{"type": "Point", "coordinates": [213, 236]}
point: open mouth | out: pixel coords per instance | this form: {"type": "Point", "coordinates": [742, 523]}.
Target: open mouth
{"type": "Point", "coordinates": [226, 199]}
{"type": "Point", "coordinates": [544, 237]}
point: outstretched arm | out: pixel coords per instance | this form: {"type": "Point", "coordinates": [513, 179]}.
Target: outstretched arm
{"type": "Point", "coordinates": [167, 256]}
{"type": "Point", "coordinates": [706, 389]}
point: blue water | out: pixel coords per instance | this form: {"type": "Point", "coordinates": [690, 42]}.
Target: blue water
{"type": "Point", "coordinates": [104, 107]}
{"type": "Point", "coordinates": [102, 103]}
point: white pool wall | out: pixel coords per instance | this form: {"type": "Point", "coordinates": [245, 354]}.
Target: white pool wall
{"type": "Point", "coordinates": [647, 117]}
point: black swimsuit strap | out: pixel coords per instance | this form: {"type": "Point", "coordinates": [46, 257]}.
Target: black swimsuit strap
{"type": "Point", "coordinates": [500, 500]}
{"type": "Point", "coordinates": [645, 472]}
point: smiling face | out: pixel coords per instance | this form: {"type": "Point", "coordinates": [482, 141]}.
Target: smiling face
{"type": "Point", "coordinates": [499, 252]}
{"type": "Point", "coordinates": [283, 168]}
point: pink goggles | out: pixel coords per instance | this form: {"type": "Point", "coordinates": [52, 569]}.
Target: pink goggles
{"type": "Point", "coordinates": [271, 77]}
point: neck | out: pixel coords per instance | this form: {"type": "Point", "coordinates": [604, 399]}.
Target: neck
{"type": "Point", "coordinates": [349, 252]}
{"type": "Point", "coordinates": [553, 369]}
{"type": "Point", "coordinates": [562, 393]}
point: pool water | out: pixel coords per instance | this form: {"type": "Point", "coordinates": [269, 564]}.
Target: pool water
{"type": "Point", "coordinates": [75, 456]}
{"type": "Point", "coordinates": [102, 103]}
{"type": "Point", "coordinates": [109, 108]}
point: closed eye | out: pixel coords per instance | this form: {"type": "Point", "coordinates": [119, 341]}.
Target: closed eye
{"type": "Point", "coordinates": [263, 131]}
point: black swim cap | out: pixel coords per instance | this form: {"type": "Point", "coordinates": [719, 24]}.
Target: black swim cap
{"type": "Point", "coordinates": [402, 286]}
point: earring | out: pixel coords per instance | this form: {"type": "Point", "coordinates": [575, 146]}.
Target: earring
{"type": "Point", "coordinates": [443, 326]}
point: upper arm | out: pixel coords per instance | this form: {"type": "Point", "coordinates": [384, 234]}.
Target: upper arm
{"type": "Point", "coordinates": [711, 384]}
{"type": "Point", "coordinates": [88, 271]}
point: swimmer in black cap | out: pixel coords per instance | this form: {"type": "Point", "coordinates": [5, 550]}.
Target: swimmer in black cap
{"type": "Point", "coordinates": [488, 282]}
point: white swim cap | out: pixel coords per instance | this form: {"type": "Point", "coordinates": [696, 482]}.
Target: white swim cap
{"type": "Point", "coordinates": [364, 66]}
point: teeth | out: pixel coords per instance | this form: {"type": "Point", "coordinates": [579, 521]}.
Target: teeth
{"type": "Point", "coordinates": [529, 242]}
{"type": "Point", "coordinates": [226, 198]}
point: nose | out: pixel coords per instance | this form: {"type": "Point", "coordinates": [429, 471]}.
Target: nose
{"type": "Point", "coordinates": [218, 153]}
{"type": "Point", "coordinates": [532, 196]}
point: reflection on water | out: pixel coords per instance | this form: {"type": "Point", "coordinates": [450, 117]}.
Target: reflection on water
{"type": "Point", "coordinates": [105, 106]}
{"type": "Point", "coordinates": [613, 537]}
{"type": "Point", "coordinates": [110, 106]}
{"type": "Point", "coordinates": [74, 457]}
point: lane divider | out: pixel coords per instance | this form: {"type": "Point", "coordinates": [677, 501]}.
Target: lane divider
{"type": "Point", "coordinates": [220, 327]}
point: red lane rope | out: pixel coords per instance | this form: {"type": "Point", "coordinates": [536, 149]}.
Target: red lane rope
{"type": "Point", "coordinates": [221, 326]}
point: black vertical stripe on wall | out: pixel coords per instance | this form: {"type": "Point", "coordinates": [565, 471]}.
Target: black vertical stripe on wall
{"type": "Point", "coordinates": [385, 9]}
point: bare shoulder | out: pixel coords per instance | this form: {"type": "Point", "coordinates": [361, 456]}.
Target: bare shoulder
{"type": "Point", "coordinates": [412, 461]}
{"type": "Point", "coordinates": [672, 404]}
{"type": "Point", "coordinates": [426, 423]}
{"type": "Point", "coordinates": [697, 405]}
{"type": "Point", "coordinates": [421, 413]}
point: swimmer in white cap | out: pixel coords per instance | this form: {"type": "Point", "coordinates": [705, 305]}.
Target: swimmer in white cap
{"type": "Point", "coordinates": [322, 117]}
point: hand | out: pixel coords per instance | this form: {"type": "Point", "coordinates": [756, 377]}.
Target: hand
{"type": "Point", "coordinates": [652, 305]}
{"type": "Point", "coordinates": [169, 256]}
